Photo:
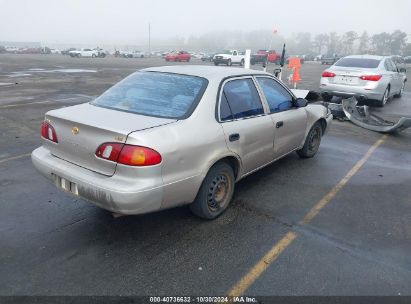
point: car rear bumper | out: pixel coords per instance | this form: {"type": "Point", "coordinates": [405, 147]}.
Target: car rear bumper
{"type": "Point", "coordinates": [345, 91]}
{"type": "Point", "coordinates": [120, 193]}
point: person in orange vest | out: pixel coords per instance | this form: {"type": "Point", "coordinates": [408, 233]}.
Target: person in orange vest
{"type": "Point", "coordinates": [295, 64]}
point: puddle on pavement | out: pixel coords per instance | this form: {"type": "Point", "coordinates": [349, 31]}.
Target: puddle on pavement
{"type": "Point", "coordinates": [41, 70]}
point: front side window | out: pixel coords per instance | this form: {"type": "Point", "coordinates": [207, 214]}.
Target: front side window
{"type": "Point", "coordinates": [277, 97]}
{"type": "Point", "coordinates": [240, 99]}
{"type": "Point", "coordinates": [155, 94]}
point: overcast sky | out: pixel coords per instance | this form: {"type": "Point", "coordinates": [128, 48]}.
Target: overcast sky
{"type": "Point", "coordinates": [126, 21]}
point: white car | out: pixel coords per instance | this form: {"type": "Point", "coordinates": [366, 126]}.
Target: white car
{"type": "Point", "coordinates": [84, 53]}
{"type": "Point", "coordinates": [366, 77]}
{"type": "Point", "coordinates": [229, 57]}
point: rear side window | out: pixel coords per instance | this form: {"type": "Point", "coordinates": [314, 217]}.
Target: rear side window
{"type": "Point", "coordinates": [358, 63]}
{"type": "Point", "coordinates": [277, 97]}
{"type": "Point", "coordinates": [240, 99]}
{"type": "Point", "coordinates": [155, 94]}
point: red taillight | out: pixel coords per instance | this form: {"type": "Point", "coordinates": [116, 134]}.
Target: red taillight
{"type": "Point", "coordinates": [48, 132]}
{"type": "Point", "coordinates": [371, 77]}
{"type": "Point", "coordinates": [128, 154]}
{"type": "Point", "coordinates": [328, 74]}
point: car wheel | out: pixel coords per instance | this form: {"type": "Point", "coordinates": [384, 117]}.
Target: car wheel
{"type": "Point", "coordinates": [401, 91]}
{"type": "Point", "coordinates": [215, 192]}
{"type": "Point", "coordinates": [215, 63]}
{"type": "Point", "coordinates": [93, 56]}
{"type": "Point", "coordinates": [385, 97]}
{"type": "Point", "coordinates": [242, 62]}
{"type": "Point", "coordinates": [229, 63]}
{"type": "Point", "coordinates": [188, 60]}
{"type": "Point", "coordinates": [312, 142]}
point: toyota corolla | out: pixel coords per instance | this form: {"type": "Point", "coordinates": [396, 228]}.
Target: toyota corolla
{"type": "Point", "coordinates": [169, 136]}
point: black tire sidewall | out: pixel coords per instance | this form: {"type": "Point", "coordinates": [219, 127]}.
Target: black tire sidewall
{"type": "Point", "coordinates": [200, 205]}
{"type": "Point", "coordinates": [304, 152]}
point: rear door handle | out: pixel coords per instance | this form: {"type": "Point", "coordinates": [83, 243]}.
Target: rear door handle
{"type": "Point", "coordinates": [279, 124]}
{"type": "Point", "coordinates": [234, 137]}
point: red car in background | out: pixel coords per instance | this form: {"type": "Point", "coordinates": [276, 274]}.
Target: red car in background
{"type": "Point", "coordinates": [261, 56]}
{"type": "Point", "coordinates": [180, 56]}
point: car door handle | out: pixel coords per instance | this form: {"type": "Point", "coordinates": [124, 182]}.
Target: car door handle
{"type": "Point", "coordinates": [234, 137]}
{"type": "Point", "coordinates": [279, 124]}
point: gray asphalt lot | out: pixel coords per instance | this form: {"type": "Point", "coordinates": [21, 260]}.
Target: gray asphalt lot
{"type": "Point", "coordinates": [55, 244]}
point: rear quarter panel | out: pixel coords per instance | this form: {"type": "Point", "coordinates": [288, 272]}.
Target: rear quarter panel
{"type": "Point", "coordinates": [188, 148]}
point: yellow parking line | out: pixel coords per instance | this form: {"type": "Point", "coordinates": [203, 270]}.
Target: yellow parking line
{"type": "Point", "coordinates": [14, 158]}
{"type": "Point", "coordinates": [261, 265]}
{"type": "Point", "coordinates": [329, 196]}
{"type": "Point", "coordinates": [23, 104]}
{"type": "Point", "coordinates": [255, 272]}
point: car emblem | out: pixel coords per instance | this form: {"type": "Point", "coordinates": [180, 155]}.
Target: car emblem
{"type": "Point", "coordinates": [75, 130]}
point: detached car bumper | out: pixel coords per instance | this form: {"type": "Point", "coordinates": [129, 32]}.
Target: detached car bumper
{"type": "Point", "coordinates": [121, 193]}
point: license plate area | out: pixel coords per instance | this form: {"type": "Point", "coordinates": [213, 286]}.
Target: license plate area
{"type": "Point", "coordinates": [65, 184]}
{"type": "Point", "coordinates": [346, 80]}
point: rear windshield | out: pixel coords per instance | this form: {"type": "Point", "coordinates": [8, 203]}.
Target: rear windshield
{"type": "Point", "coordinates": [358, 63]}
{"type": "Point", "coordinates": [155, 94]}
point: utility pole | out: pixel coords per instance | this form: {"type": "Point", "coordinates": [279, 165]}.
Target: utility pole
{"type": "Point", "coordinates": [149, 39]}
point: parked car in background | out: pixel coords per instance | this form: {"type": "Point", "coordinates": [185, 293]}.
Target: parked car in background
{"type": "Point", "coordinates": [399, 62]}
{"type": "Point", "coordinates": [180, 56]}
{"type": "Point", "coordinates": [143, 146]}
{"type": "Point", "coordinates": [55, 51]}
{"type": "Point", "coordinates": [138, 54]}
{"type": "Point", "coordinates": [83, 53]}
{"type": "Point", "coordinates": [229, 57]}
{"type": "Point", "coordinates": [368, 78]}
{"type": "Point", "coordinates": [329, 59]}
{"type": "Point", "coordinates": [407, 59]}
{"type": "Point", "coordinates": [263, 55]}
{"type": "Point", "coordinates": [207, 57]}
{"type": "Point", "coordinates": [88, 53]}
{"type": "Point", "coordinates": [67, 51]}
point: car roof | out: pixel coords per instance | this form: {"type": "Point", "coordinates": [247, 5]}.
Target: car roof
{"type": "Point", "coordinates": [209, 72]}
{"type": "Point", "coordinates": [366, 57]}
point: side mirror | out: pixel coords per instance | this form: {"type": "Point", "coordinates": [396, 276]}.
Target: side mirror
{"type": "Point", "coordinates": [300, 102]}
{"type": "Point", "coordinates": [403, 70]}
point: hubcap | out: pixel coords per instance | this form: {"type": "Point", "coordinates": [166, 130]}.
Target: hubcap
{"type": "Point", "coordinates": [314, 142]}
{"type": "Point", "coordinates": [218, 192]}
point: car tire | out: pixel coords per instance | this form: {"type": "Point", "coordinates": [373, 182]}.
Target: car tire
{"type": "Point", "coordinates": [215, 63]}
{"type": "Point", "coordinates": [229, 63]}
{"type": "Point", "coordinates": [385, 97]}
{"type": "Point", "coordinates": [215, 192]}
{"type": "Point", "coordinates": [93, 56]}
{"type": "Point", "coordinates": [188, 60]}
{"type": "Point", "coordinates": [312, 141]}
{"type": "Point", "coordinates": [242, 62]}
{"type": "Point", "coordinates": [401, 91]}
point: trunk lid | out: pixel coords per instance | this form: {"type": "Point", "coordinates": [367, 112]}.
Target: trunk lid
{"type": "Point", "coordinates": [351, 76]}
{"type": "Point", "coordinates": [83, 128]}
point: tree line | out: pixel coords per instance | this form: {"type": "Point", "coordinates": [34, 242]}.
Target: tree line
{"type": "Point", "coordinates": [350, 42]}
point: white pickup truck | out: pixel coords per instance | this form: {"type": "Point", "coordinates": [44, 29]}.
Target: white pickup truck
{"type": "Point", "coordinates": [229, 57]}
{"type": "Point", "coordinates": [87, 53]}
